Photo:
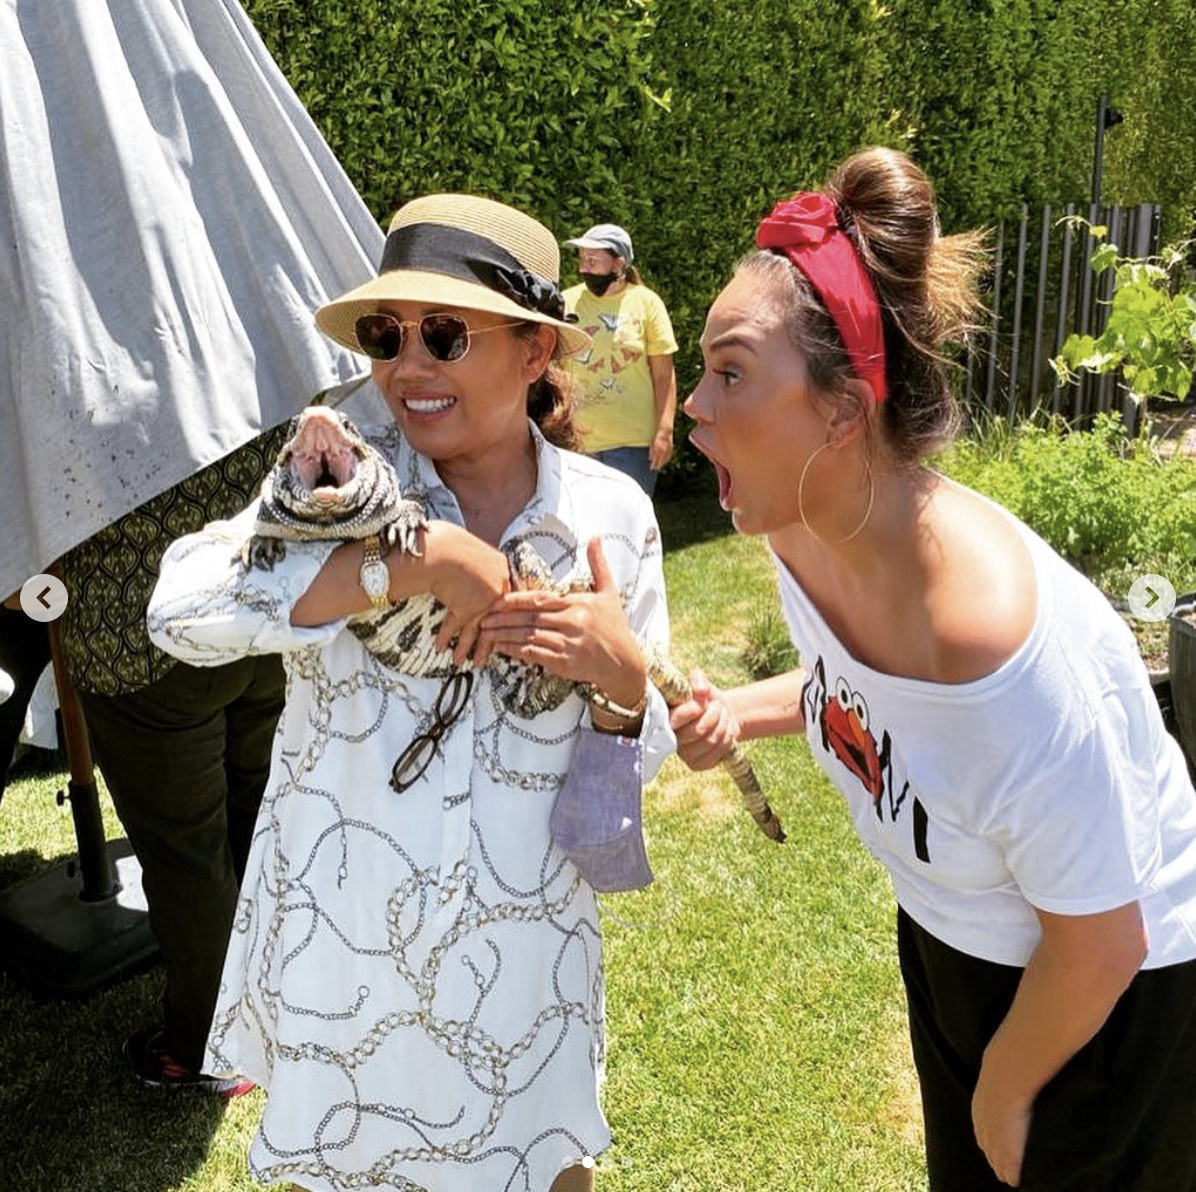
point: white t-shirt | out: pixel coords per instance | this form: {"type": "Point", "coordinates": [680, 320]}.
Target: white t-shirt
{"type": "Point", "coordinates": [1050, 783]}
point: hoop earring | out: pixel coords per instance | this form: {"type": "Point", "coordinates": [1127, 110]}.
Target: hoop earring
{"type": "Point", "coordinates": [801, 509]}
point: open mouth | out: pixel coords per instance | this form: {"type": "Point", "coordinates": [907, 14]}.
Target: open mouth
{"type": "Point", "coordinates": [721, 471]}
{"type": "Point", "coordinates": [724, 484]}
{"type": "Point", "coordinates": [325, 473]}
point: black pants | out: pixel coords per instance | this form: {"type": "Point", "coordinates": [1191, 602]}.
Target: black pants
{"type": "Point", "coordinates": [24, 653]}
{"type": "Point", "coordinates": [186, 761]}
{"type": "Point", "coordinates": [1119, 1117]}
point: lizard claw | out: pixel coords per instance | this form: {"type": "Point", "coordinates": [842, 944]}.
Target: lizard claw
{"type": "Point", "coordinates": [403, 530]}
{"type": "Point", "coordinates": [262, 552]}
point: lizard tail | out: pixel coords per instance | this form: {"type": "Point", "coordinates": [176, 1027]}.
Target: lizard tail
{"type": "Point", "coordinates": [737, 765]}
{"type": "Point", "coordinates": [674, 686]}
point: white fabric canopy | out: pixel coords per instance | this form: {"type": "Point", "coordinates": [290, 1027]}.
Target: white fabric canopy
{"type": "Point", "coordinates": [170, 217]}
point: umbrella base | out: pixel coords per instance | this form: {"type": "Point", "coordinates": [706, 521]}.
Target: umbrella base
{"type": "Point", "coordinates": [62, 945]}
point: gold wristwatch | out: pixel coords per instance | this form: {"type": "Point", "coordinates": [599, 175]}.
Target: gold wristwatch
{"type": "Point", "coordinates": [375, 575]}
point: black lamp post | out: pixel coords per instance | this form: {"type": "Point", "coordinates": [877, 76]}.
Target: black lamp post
{"type": "Point", "coordinates": [1107, 117]}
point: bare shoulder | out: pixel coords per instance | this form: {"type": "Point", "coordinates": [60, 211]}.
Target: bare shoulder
{"type": "Point", "coordinates": [983, 593]}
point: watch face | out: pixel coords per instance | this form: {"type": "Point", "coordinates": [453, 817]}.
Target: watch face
{"type": "Point", "coordinates": [375, 579]}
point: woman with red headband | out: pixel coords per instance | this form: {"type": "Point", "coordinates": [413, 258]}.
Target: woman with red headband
{"type": "Point", "coordinates": [978, 703]}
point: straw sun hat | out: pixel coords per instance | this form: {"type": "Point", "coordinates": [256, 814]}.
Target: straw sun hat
{"type": "Point", "coordinates": [465, 252]}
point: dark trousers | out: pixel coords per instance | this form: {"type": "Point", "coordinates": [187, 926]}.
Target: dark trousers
{"type": "Point", "coordinates": [1119, 1117]}
{"type": "Point", "coordinates": [24, 654]}
{"type": "Point", "coordinates": [186, 761]}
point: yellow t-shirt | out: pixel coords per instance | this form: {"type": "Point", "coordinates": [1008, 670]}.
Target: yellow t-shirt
{"type": "Point", "coordinates": [618, 407]}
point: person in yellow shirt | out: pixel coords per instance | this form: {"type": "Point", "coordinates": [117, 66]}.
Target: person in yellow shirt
{"type": "Point", "coordinates": [628, 387]}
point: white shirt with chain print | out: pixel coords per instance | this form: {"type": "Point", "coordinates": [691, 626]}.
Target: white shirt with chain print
{"type": "Point", "coordinates": [416, 978]}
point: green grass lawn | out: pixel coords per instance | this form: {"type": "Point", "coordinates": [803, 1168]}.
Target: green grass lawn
{"type": "Point", "coordinates": [756, 1025]}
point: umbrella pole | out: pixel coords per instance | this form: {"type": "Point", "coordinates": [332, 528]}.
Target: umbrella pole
{"type": "Point", "coordinates": [95, 869]}
{"type": "Point", "coordinates": [63, 940]}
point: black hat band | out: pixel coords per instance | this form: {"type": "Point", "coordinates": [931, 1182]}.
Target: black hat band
{"type": "Point", "coordinates": [437, 248]}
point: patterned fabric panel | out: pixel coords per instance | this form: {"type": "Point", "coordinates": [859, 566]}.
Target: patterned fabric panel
{"type": "Point", "coordinates": [110, 576]}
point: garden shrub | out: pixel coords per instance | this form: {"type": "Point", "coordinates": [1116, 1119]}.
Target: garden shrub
{"type": "Point", "coordinates": [1109, 504]}
{"type": "Point", "coordinates": [768, 650]}
{"type": "Point", "coordinates": [685, 120]}
{"type": "Point", "coordinates": [1149, 336]}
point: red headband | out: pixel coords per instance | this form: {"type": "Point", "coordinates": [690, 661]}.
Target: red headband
{"type": "Point", "coordinates": [806, 229]}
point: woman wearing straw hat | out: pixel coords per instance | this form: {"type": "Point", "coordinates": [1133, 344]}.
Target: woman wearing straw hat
{"type": "Point", "coordinates": [416, 974]}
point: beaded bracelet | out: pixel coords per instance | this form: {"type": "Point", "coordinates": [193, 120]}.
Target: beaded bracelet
{"type": "Point", "coordinates": [612, 717]}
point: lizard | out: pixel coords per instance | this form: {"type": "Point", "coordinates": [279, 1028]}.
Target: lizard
{"type": "Point", "coordinates": [330, 484]}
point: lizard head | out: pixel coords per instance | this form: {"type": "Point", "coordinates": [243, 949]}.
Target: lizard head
{"type": "Point", "coordinates": [323, 454]}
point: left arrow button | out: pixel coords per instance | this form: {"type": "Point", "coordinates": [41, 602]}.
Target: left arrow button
{"type": "Point", "coordinates": [44, 597]}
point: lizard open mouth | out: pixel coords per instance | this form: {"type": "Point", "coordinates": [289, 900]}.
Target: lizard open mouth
{"type": "Point", "coordinates": [324, 473]}
{"type": "Point", "coordinates": [326, 478]}
{"type": "Point", "coordinates": [321, 467]}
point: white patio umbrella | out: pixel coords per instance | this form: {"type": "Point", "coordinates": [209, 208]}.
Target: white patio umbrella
{"type": "Point", "coordinates": [170, 217]}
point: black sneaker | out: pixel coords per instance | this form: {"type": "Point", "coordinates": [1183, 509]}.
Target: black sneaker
{"type": "Point", "coordinates": [152, 1064]}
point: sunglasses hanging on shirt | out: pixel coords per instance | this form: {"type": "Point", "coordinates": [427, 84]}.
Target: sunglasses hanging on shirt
{"type": "Point", "coordinates": [414, 761]}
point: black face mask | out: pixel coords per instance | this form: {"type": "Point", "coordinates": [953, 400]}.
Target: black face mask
{"type": "Point", "coordinates": [599, 283]}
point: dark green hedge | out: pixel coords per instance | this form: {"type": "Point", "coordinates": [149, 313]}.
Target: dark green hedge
{"type": "Point", "coordinates": [534, 104]}
{"type": "Point", "coordinates": [685, 119]}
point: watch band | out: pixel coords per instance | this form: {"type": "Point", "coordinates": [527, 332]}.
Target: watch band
{"type": "Point", "coordinates": [375, 576]}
